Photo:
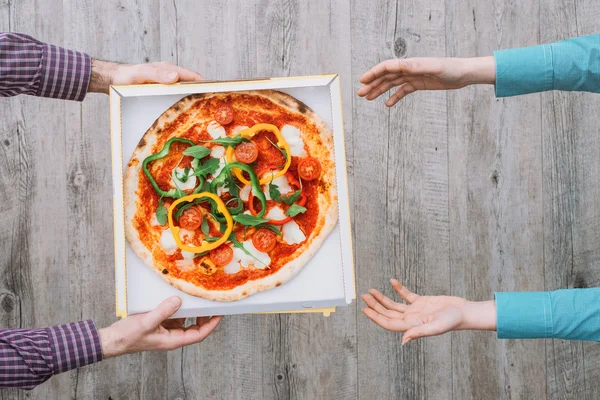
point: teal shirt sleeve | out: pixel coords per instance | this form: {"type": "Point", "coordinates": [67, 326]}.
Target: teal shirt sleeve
{"type": "Point", "coordinates": [572, 314]}
{"type": "Point", "coordinates": [572, 64]}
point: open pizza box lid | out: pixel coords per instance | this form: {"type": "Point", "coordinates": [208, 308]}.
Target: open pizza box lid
{"type": "Point", "coordinates": [327, 280]}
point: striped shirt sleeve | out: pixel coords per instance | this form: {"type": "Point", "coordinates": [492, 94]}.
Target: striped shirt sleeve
{"type": "Point", "coordinates": [28, 66]}
{"type": "Point", "coordinates": [29, 357]}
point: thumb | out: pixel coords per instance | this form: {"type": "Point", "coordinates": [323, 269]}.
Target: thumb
{"type": "Point", "coordinates": [164, 310]}
{"type": "Point", "coordinates": [428, 329]}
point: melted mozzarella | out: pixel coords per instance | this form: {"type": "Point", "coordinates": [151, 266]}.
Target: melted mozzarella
{"type": "Point", "coordinates": [186, 236]}
{"type": "Point", "coordinates": [292, 135]}
{"type": "Point", "coordinates": [221, 190]}
{"type": "Point", "coordinates": [188, 260]}
{"type": "Point", "coordinates": [222, 164]}
{"type": "Point", "coordinates": [189, 184]}
{"type": "Point", "coordinates": [238, 129]}
{"type": "Point", "coordinates": [240, 259]}
{"type": "Point", "coordinates": [292, 233]}
{"type": "Point", "coordinates": [260, 260]}
{"type": "Point", "coordinates": [216, 130]}
{"type": "Point", "coordinates": [245, 192]}
{"type": "Point", "coordinates": [276, 213]}
{"type": "Point", "coordinates": [283, 186]}
{"type": "Point", "coordinates": [154, 220]}
{"type": "Point", "coordinates": [167, 242]}
{"type": "Point", "coordinates": [217, 152]}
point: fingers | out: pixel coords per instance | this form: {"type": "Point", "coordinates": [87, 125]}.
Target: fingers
{"type": "Point", "coordinates": [402, 92]}
{"type": "Point", "coordinates": [377, 306]}
{"type": "Point", "coordinates": [387, 302]}
{"type": "Point", "coordinates": [385, 67]}
{"type": "Point", "coordinates": [406, 294]}
{"type": "Point", "coordinates": [193, 334]}
{"type": "Point", "coordinates": [366, 89]}
{"type": "Point", "coordinates": [161, 313]}
{"type": "Point", "coordinates": [395, 324]}
{"type": "Point", "coordinates": [165, 73]}
{"type": "Point", "coordinates": [185, 75]}
{"type": "Point", "coordinates": [428, 329]}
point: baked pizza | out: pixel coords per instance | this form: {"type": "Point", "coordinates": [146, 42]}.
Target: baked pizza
{"type": "Point", "coordinates": [229, 194]}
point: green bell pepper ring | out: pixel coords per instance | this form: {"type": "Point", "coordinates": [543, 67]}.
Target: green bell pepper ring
{"type": "Point", "coordinates": [256, 189]}
{"type": "Point", "coordinates": [173, 193]}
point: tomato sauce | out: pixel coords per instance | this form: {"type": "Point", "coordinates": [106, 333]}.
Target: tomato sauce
{"type": "Point", "coordinates": [245, 115]}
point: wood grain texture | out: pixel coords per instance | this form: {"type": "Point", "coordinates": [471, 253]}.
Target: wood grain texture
{"type": "Point", "coordinates": [454, 193]}
{"type": "Point", "coordinates": [495, 201]}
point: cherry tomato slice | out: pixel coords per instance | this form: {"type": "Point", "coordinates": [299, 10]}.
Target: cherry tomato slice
{"type": "Point", "coordinates": [224, 114]}
{"type": "Point", "coordinates": [309, 168]}
{"type": "Point", "coordinates": [221, 255]}
{"type": "Point", "coordinates": [264, 240]}
{"type": "Point", "coordinates": [246, 152]}
{"type": "Point", "coordinates": [191, 219]}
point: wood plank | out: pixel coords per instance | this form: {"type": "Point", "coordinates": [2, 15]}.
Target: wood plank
{"type": "Point", "coordinates": [417, 190]}
{"type": "Point", "coordinates": [219, 43]}
{"type": "Point", "coordinates": [36, 243]}
{"type": "Point", "coordinates": [586, 207]}
{"type": "Point", "coordinates": [125, 32]}
{"type": "Point", "coordinates": [309, 356]}
{"type": "Point", "coordinates": [560, 126]}
{"type": "Point", "coordinates": [495, 201]}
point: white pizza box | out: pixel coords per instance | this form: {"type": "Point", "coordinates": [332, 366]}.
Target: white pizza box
{"type": "Point", "coordinates": [326, 282]}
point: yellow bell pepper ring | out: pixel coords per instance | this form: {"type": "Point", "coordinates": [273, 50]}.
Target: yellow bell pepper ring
{"type": "Point", "coordinates": [206, 246]}
{"type": "Point", "coordinates": [281, 142]}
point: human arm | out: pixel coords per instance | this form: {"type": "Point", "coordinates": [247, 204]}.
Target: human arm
{"type": "Point", "coordinates": [29, 66]}
{"type": "Point", "coordinates": [572, 314]}
{"type": "Point", "coordinates": [29, 357]}
{"type": "Point", "coordinates": [572, 64]}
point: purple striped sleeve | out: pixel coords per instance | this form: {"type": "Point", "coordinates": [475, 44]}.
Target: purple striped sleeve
{"type": "Point", "coordinates": [29, 357]}
{"type": "Point", "coordinates": [28, 66]}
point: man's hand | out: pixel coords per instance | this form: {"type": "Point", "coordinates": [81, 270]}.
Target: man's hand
{"type": "Point", "coordinates": [427, 315]}
{"type": "Point", "coordinates": [154, 331]}
{"type": "Point", "coordinates": [106, 73]}
{"type": "Point", "coordinates": [414, 74]}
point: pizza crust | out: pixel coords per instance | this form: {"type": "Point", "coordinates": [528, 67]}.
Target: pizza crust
{"type": "Point", "coordinates": [327, 201]}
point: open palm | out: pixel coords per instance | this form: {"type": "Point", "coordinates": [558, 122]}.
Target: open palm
{"type": "Point", "coordinates": [420, 316]}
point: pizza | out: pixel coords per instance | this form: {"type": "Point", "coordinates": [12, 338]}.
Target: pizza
{"type": "Point", "coordinates": [230, 194]}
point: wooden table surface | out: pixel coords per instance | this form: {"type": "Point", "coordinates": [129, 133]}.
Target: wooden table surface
{"type": "Point", "coordinates": [453, 193]}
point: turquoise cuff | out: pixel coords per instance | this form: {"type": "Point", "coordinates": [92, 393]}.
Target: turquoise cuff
{"type": "Point", "coordinates": [523, 315]}
{"type": "Point", "coordinates": [523, 70]}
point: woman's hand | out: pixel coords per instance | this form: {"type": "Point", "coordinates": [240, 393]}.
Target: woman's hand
{"type": "Point", "coordinates": [413, 74]}
{"type": "Point", "coordinates": [427, 315]}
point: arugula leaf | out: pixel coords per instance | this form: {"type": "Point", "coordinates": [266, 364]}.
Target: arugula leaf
{"type": "Point", "coordinates": [228, 141]}
{"type": "Point", "coordinates": [283, 152]}
{"type": "Point", "coordinates": [231, 184]}
{"type": "Point", "coordinates": [292, 198]}
{"type": "Point", "coordinates": [207, 168]}
{"type": "Point", "coordinates": [197, 151]}
{"type": "Point", "coordinates": [223, 228]}
{"type": "Point", "coordinates": [249, 220]}
{"type": "Point", "coordinates": [204, 227]}
{"type": "Point", "coordinates": [211, 239]}
{"type": "Point", "coordinates": [294, 210]}
{"type": "Point", "coordinates": [274, 192]}
{"type": "Point", "coordinates": [270, 227]}
{"type": "Point", "coordinates": [181, 209]}
{"type": "Point", "coordinates": [161, 213]}
{"type": "Point", "coordinates": [240, 246]}
{"type": "Point", "coordinates": [184, 175]}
